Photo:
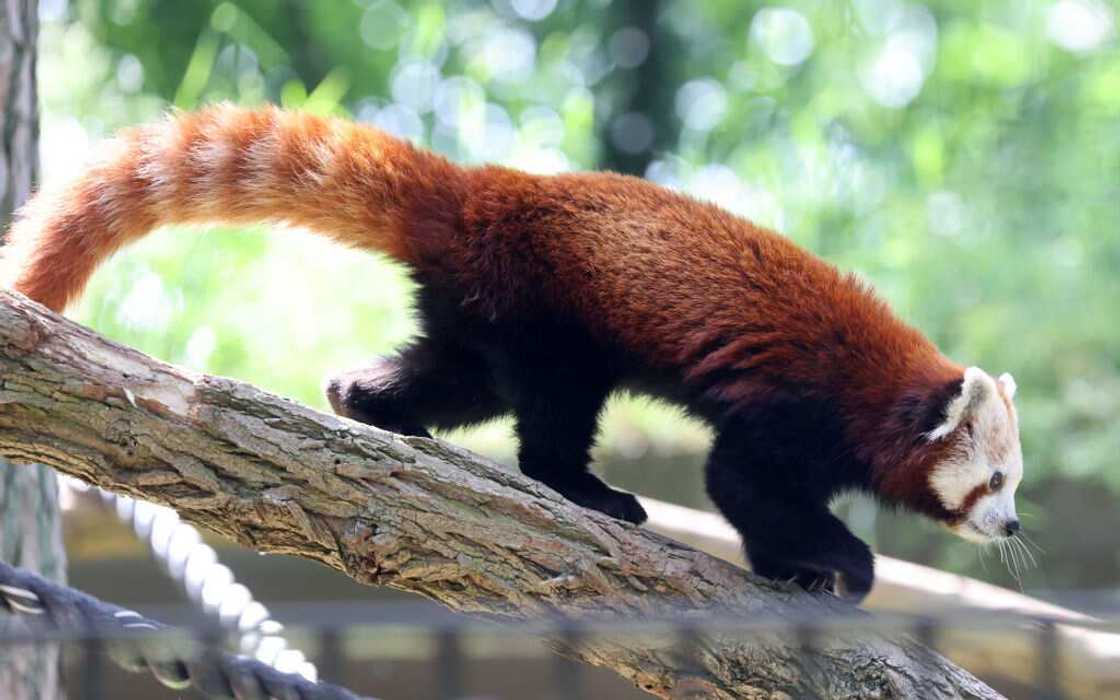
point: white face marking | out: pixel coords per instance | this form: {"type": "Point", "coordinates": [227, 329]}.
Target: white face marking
{"type": "Point", "coordinates": [987, 427]}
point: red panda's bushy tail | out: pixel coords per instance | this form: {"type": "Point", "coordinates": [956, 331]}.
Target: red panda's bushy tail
{"type": "Point", "coordinates": [227, 165]}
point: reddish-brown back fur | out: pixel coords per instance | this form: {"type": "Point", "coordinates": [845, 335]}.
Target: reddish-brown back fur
{"type": "Point", "coordinates": [688, 287]}
{"type": "Point", "coordinates": [697, 291]}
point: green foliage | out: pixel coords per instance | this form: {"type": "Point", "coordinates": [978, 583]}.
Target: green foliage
{"type": "Point", "coordinates": [965, 157]}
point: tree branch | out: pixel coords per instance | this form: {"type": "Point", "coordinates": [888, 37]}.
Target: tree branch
{"type": "Point", "coordinates": [422, 516]}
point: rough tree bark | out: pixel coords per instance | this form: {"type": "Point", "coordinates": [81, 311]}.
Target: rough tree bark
{"type": "Point", "coordinates": [30, 526]}
{"type": "Point", "coordinates": [422, 516]}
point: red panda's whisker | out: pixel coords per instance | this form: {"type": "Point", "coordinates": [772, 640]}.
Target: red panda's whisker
{"type": "Point", "coordinates": [1018, 563]}
{"type": "Point", "coordinates": [1026, 538]}
{"type": "Point", "coordinates": [1026, 552]}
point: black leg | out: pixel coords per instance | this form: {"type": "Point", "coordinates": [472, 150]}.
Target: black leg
{"type": "Point", "coordinates": [426, 385]}
{"type": "Point", "coordinates": [788, 531]}
{"type": "Point", "coordinates": [557, 416]}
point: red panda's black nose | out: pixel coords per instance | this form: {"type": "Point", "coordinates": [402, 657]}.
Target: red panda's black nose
{"type": "Point", "coordinates": [1011, 527]}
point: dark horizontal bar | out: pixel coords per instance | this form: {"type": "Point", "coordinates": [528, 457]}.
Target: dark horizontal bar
{"type": "Point", "coordinates": [420, 616]}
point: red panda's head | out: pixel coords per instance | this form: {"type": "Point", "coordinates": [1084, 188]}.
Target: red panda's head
{"type": "Point", "coordinates": [979, 462]}
{"type": "Point", "coordinates": [959, 460]}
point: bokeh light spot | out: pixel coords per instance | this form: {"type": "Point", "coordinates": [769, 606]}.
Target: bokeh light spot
{"type": "Point", "coordinates": [533, 10]}
{"type": "Point", "coordinates": [701, 104]}
{"type": "Point", "coordinates": [632, 132]}
{"type": "Point", "coordinates": [1080, 25]}
{"type": "Point", "coordinates": [784, 35]}
{"type": "Point", "coordinates": [628, 47]}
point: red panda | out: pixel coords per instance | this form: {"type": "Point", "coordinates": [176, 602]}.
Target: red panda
{"type": "Point", "coordinates": [541, 295]}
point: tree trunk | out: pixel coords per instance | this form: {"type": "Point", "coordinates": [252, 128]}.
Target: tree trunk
{"type": "Point", "coordinates": [30, 526]}
{"type": "Point", "coordinates": [426, 517]}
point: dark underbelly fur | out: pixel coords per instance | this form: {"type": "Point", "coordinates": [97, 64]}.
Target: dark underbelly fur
{"type": "Point", "coordinates": [772, 470]}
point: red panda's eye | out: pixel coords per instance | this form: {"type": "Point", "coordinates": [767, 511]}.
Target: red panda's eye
{"type": "Point", "coordinates": [996, 481]}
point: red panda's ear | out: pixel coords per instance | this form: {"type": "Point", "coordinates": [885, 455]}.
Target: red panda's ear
{"type": "Point", "coordinates": [976, 386]}
{"type": "Point", "coordinates": [1007, 383]}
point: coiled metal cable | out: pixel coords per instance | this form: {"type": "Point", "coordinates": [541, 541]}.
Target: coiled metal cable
{"type": "Point", "coordinates": [136, 643]}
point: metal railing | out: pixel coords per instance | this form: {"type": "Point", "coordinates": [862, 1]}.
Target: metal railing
{"type": "Point", "coordinates": [338, 638]}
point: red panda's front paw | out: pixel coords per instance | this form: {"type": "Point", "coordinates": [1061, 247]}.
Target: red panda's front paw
{"type": "Point", "coordinates": [590, 491]}
{"type": "Point", "coordinates": [615, 503]}
{"type": "Point", "coordinates": [811, 579]}
{"type": "Point", "coordinates": [855, 572]}
{"type": "Point", "coordinates": [854, 585]}
{"type": "Point", "coordinates": [816, 581]}
{"type": "Point", "coordinates": [845, 568]}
